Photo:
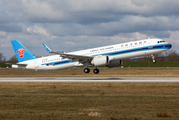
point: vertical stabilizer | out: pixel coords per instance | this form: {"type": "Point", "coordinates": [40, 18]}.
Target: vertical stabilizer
{"type": "Point", "coordinates": [22, 53]}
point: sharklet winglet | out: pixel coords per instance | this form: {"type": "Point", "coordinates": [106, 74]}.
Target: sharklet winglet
{"type": "Point", "coordinates": [47, 48]}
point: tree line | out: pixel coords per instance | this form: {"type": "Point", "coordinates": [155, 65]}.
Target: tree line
{"type": "Point", "coordinates": [168, 56]}
{"type": "Point", "coordinates": [3, 59]}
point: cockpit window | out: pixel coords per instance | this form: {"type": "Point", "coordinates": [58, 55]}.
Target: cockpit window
{"type": "Point", "coordinates": [160, 41]}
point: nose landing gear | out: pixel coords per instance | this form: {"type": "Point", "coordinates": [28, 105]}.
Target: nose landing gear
{"type": "Point", "coordinates": [153, 58]}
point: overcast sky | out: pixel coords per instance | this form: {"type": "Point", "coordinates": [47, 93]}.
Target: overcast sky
{"type": "Point", "coordinates": [69, 25]}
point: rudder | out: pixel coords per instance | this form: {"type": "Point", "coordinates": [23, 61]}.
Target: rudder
{"type": "Point", "coordinates": [22, 53]}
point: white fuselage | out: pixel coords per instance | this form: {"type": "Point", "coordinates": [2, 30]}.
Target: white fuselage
{"type": "Point", "coordinates": [114, 52]}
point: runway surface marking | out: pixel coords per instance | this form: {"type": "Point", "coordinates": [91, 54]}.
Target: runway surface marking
{"type": "Point", "coordinates": [92, 79]}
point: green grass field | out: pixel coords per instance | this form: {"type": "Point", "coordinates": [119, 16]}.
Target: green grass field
{"type": "Point", "coordinates": [3, 65]}
{"type": "Point", "coordinates": [151, 64]}
{"type": "Point", "coordinates": [104, 72]}
{"type": "Point", "coordinates": [89, 101]}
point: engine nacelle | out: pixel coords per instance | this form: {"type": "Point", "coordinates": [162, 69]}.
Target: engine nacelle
{"type": "Point", "coordinates": [100, 60]}
{"type": "Point", "coordinates": [115, 63]}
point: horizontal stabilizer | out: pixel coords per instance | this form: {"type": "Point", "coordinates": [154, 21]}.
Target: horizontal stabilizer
{"type": "Point", "coordinates": [16, 64]}
{"type": "Point", "coordinates": [20, 66]}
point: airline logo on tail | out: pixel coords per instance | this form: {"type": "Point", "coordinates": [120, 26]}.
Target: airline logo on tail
{"type": "Point", "coordinates": [21, 52]}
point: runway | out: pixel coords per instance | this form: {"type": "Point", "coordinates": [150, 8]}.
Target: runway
{"type": "Point", "coordinates": [91, 79]}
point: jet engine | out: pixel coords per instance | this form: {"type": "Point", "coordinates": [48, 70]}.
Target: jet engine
{"type": "Point", "coordinates": [114, 63]}
{"type": "Point", "coordinates": [100, 60]}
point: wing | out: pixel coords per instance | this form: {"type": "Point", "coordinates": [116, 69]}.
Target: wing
{"type": "Point", "coordinates": [80, 58]}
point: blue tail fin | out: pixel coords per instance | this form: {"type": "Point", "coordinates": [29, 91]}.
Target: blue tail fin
{"type": "Point", "coordinates": [21, 52]}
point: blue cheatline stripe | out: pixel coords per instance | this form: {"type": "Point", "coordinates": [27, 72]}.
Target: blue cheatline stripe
{"type": "Point", "coordinates": [65, 62]}
{"type": "Point", "coordinates": [139, 49]}
{"type": "Point", "coordinates": [58, 62]}
{"type": "Point", "coordinates": [147, 48]}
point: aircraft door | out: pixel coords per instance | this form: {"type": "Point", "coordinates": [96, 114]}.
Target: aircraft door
{"type": "Point", "coordinates": [36, 63]}
{"type": "Point", "coordinates": [149, 42]}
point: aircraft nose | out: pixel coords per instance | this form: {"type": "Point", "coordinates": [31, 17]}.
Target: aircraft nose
{"type": "Point", "coordinates": [170, 45]}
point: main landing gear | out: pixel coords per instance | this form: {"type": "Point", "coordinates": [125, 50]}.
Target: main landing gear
{"type": "Point", "coordinates": [96, 71]}
{"type": "Point", "coordinates": [87, 70]}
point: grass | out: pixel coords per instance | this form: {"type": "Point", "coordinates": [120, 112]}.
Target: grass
{"type": "Point", "coordinates": [151, 64]}
{"type": "Point", "coordinates": [4, 65]}
{"type": "Point", "coordinates": [91, 101]}
{"type": "Point", "coordinates": [104, 72]}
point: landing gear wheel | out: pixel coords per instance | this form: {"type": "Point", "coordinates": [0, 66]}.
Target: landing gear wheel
{"type": "Point", "coordinates": [96, 71]}
{"type": "Point", "coordinates": [86, 70]}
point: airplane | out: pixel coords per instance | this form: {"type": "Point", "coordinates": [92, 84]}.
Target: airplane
{"type": "Point", "coordinates": [110, 56]}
